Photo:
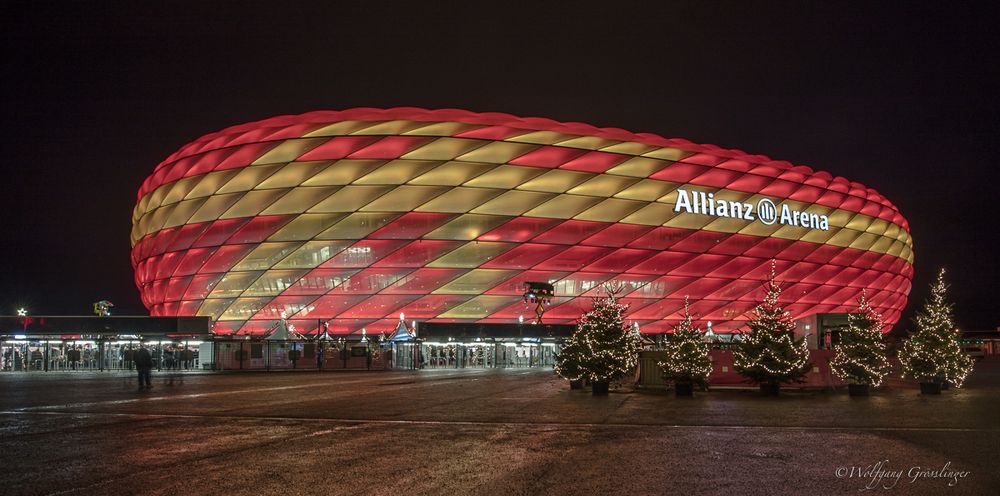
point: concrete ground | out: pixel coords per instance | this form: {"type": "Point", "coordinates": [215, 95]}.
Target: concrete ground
{"type": "Point", "coordinates": [493, 432]}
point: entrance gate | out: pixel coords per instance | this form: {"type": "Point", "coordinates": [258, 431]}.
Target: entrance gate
{"type": "Point", "coordinates": [456, 346]}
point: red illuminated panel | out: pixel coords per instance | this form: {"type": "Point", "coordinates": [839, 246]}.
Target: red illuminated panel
{"type": "Point", "coordinates": [422, 281]}
{"type": "Point", "coordinates": [390, 147]}
{"type": "Point", "coordinates": [525, 256]}
{"type": "Point", "coordinates": [370, 281]}
{"type": "Point", "coordinates": [364, 253]}
{"type": "Point", "coordinates": [225, 258]}
{"type": "Point", "coordinates": [330, 306]}
{"type": "Point", "coordinates": [515, 285]}
{"type": "Point", "coordinates": [411, 226]}
{"type": "Point", "coordinates": [570, 232]}
{"type": "Point", "coordinates": [378, 306]}
{"type": "Point", "coordinates": [573, 258]}
{"type": "Point", "coordinates": [617, 235]}
{"type": "Point", "coordinates": [338, 147]}
{"type": "Point", "coordinates": [432, 305]}
{"type": "Point", "coordinates": [594, 162]}
{"type": "Point", "coordinates": [418, 253]}
{"type": "Point", "coordinates": [548, 156]}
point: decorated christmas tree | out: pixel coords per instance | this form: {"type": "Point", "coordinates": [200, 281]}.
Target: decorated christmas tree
{"type": "Point", "coordinates": [568, 362]}
{"type": "Point", "coordinates": [687, 362]}
{"type": "Point", "coordinates": [933, 354]}
{"type": "Point", "coordinates": [603, 348]}
{"type": "Point", "coordinates": [860, 355]}
{"type": "Point", "coordinates": [768, 353]}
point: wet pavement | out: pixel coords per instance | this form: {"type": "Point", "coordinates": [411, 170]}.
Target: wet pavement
{"type": "Point", "coordinates": [495, 432]}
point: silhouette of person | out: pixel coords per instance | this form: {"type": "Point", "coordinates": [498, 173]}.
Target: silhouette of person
{"type": "Point", "coordinates": [144, 365]}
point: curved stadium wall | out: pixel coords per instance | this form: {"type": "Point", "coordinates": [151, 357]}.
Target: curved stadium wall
{"type": "Point", "coordinates": [353, 217]}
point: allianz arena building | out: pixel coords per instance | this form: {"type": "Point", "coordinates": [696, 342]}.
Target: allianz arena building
{"type": "Point", "coordinates": [350, 218]}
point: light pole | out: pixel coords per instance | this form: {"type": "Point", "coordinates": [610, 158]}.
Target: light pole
{"type": "Point", "coordinates": [540, 294]}
{"type": "Point", "coordinates": [23, 315]}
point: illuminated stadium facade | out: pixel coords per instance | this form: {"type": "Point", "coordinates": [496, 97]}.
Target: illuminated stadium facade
{"type": "Point", "coordinates": [352, 217]}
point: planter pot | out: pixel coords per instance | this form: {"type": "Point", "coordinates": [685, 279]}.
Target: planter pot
{"type": "Point", "coordinates": [681, 390]}
{"type": "Point", "coordinates": [600, 389]}
{"type": "Point", "coordinates": [930, 388]}
{"type": "Point", "coordinates": [768, 389]}
{"type": "Point", "coordinates": [578, 384]}
{"type": "Point", "coordinates": [858, 389]}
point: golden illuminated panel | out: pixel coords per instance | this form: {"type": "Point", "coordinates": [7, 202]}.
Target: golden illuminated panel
{"type": "Point", "coordinates": [472, 255]}
{"type": "Point", "coordinates": [459, 200]}
{"type": "Point", "coordinates": [555, 181]}
{"type": "Point", "coordinates": [357, 225]}
{"type": "Point", "coordinates": [313, 253]}
{"type": "Point", "coordinates": [513, 203]}
{"type": "Point", "coordinates": [496, 152]}
{"type": "Point", "coordinates": [479, 307]}
{"type": "Point", "coordinates": [468, 226]}
{"type": "Point", "coordinates": [505, 177]}
{"type": "Point", "coordinates": [265, 255]}
{"type": "Point", "coordinates": [452, 174]}
{"type": "Point", "coordinates": [306, 226]}
{"type": "Point", "coordinates": [288, 151]}
{"type": "Point", "coordinates": [343, 172]}
{"type": "Point", "coordinates": [444, 149]}
{"type": "Point", "coordinates": [314, 214]}
{"type": "Point", "coordinates": [293, 174]}
{"type": "Point", "coordinates": [604, 185]}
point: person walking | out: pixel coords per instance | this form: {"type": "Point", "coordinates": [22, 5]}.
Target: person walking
{"type": "Point", "coordinates": [144, 365]}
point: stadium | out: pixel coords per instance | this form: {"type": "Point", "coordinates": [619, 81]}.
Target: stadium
{"type": "Point", "coordinates": [345, 220]}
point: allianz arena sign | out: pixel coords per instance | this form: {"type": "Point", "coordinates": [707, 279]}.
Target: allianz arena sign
{"type": "Point", "coordinates": [699, 202]}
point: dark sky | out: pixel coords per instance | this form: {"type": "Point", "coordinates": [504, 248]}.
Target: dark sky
{"type": "Point", "coordinates": [900, 96]}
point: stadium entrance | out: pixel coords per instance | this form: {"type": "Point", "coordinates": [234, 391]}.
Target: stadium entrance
{"type": "Point", "coordinates": [456, 346]}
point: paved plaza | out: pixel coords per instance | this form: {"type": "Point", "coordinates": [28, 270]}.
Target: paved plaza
{"type": "Point", "coordinates": [489, 432]}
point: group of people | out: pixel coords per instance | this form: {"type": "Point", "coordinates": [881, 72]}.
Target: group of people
{"type": "Point", "coordinates": [16, 358]}
{"type": "Point", "coordinates": [29, 357]}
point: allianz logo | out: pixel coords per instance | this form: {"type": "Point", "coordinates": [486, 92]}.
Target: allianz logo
{"type": "Point", "coordinates": [699, 202]}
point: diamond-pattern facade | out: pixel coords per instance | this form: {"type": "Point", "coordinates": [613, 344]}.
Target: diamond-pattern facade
{"type": "Point", "coordinates": [353, 217]}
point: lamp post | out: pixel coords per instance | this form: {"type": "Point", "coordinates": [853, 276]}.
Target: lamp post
{"type": "Point", "coordinates": [368, 350]}
{"type": "Point", "coordinates": [540, 294]}
{"type": "Point", "coordinates": [21, 312]}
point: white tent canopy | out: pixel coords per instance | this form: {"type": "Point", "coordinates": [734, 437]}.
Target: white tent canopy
{"type": "Point", "coordinates": [283, 332]}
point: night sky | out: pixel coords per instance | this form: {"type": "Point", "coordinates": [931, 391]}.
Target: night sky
{"type": "Point", "coordinates": [900, 96]}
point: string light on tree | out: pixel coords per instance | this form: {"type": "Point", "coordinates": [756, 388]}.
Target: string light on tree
{"type": "Point", "coordinates": [860, 354]}
{"type": "Point", "coordinates": [603, 348]}
{"type": "Point", "coordinates": [768, 353]}
{"type": "Point", "coordinates": [933, 353]}
{"type": "Point", "coordinates": [686, 360]}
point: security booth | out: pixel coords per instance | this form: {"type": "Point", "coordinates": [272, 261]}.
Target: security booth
{"type": "Point", "coordinates": [458, 345]}
{"type": "Point", "coordinates": [55, 343]}
{"type": "Point", "coordinates": [403, 348]}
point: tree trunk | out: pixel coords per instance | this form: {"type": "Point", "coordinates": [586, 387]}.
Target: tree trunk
{"type": "Point", "coordinates": [600, 388]}
{"type": "Point", "coordinates": [682, 389]}
{"type": "Point", "coordinates": [930, 388]}
{"type": "Point", "coordinates": [770, 388]}
{"type": "Point", "coordinates": [858, 389]}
